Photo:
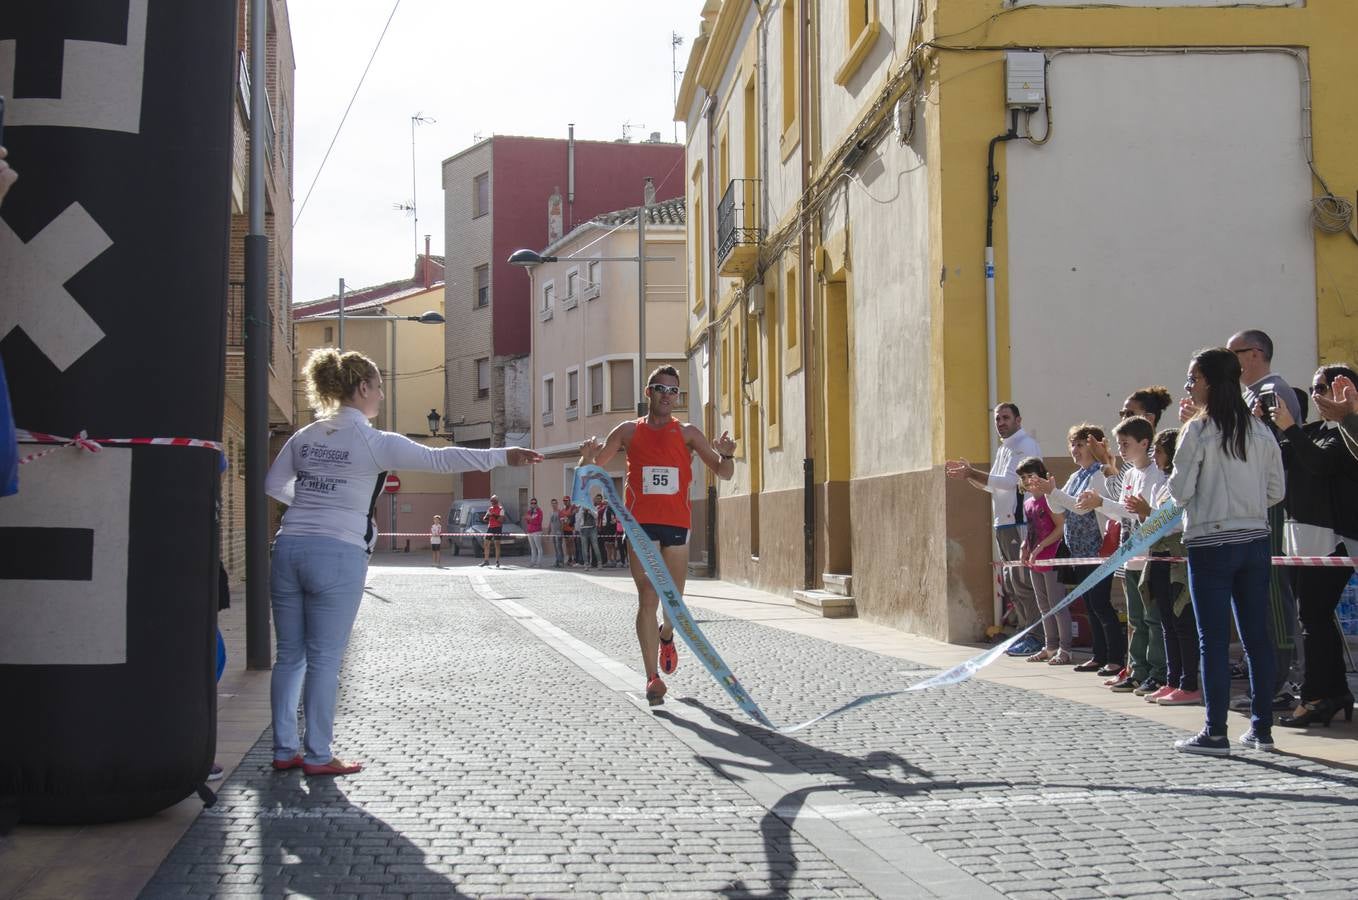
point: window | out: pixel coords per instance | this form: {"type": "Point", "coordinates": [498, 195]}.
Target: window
{"type": "Point", "coordinates": [792, 322]}
{"type": "Point", "coordinates": [695, 240]}
{"type": "Point", "coordinates": [791, 76]}
{"type": "Point", "coordinates": [483, 378]}
{"type": "Point", "coordinates": [548, 295]}
{"type": "Point", "coordinates": [862, 34]}
{"type": "Point", "coordinates": [481, 279]}
{"type": "Point", "coordinates": [548, 394]}
{"type": "Point", "coordinates": [725, 368]}
{"type": "Point", "coordinates": [596, 389]}
{"type": "Point", "coordinates": [592, 280]}
{"type": "Point", "coordinates": [622, 382]}
{"type": "Point", "coordinates": [773, 381]}
{"type": "Point", "coordinates": [480, 195]}
{"type": "Point", "coordinates": [329, 335]}
{"type": "Point", "coordinates": [572, 283]}
{"type": "Point", "coordinates": [738, 401]}
{"type": "Point", "coordinates": [572, 393]}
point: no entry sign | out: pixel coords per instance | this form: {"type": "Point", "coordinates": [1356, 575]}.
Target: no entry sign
{"type": "Point", "coordinates": [392, 484]}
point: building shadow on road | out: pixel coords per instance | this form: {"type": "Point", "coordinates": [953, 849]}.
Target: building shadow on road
{"type": "Point", "coordinates": [294, 836]}
{"type": "Point", "coordinates": [877, 772]}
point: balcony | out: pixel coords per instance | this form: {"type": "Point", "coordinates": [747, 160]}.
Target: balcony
{"type": "Point", "coordinates": [548, 417]}
{"type": "Point", "coordinates": [545, 314]}
{"type": "Point", "coordinates": [570, 302]}
{"type": "Point", "coordinates": [738, 231]}
{"type": "Point", "coordinates": [572, 413]}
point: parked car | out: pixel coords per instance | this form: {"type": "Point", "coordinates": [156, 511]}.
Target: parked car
{"type": "Point", "coordinates": [465, 516]}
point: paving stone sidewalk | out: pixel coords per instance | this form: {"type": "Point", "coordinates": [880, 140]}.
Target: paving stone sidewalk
{"type": "Point", "coordinates": [500, 766]}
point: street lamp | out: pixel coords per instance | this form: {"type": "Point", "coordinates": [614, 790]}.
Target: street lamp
{"type": "Point", "coordinates": [434, 418]}
{"type": "Point", "coordinates": [527, 258]}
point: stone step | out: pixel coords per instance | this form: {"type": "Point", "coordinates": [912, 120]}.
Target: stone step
{"type": "Point", "coordinates": [838, 584]}
{"type": "Point", "coordinates": [826, 604]}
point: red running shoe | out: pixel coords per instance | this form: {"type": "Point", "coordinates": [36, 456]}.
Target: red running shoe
{"type": "Point", "coordinates": [669, 656]}
{"type": "Point", "coordinates": [655, 691]}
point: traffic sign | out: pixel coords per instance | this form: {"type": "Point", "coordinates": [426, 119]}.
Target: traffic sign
{"type": "Point", "coordinates": [392, 484]}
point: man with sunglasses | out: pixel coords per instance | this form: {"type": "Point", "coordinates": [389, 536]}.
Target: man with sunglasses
{"type": "Point", "coordinates": [659, 469]}
{"type": "Point", "coordinates": [1254, 349]}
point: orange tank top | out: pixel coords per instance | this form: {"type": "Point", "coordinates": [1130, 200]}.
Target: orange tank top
{"type": "Point", "coordinates": [659, 469]}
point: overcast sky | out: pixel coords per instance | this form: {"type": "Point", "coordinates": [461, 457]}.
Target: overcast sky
{"type": "Point", "coordinates": [524, 67]}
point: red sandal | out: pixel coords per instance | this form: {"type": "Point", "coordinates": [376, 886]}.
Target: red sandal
{"type": "Point", "coordinates": [334, 767]}
{"type": "Point", "coordinates": [282, 765]}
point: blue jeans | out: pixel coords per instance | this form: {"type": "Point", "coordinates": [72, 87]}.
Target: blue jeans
{"type": "Point", "coordinates": [316, 585]}
{"type": "Point", "coordinates": [1219, 578]}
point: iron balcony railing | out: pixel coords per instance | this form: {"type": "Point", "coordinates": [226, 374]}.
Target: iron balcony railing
{"type": "Point", "coordinates": [737, 216]}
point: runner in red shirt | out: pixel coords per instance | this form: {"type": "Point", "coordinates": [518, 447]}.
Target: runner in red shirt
{"type": "Point", "coordinates": [494, 517]}
{"type": "Point", "coordinates": [659, 468]}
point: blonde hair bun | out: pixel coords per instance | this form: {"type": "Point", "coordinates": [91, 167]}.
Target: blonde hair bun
{"type": "Point", "coordinates": [333, 377]}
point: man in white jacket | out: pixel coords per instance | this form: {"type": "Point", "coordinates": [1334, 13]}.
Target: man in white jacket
{"type": "Point", "coordinates": [1001, 483]}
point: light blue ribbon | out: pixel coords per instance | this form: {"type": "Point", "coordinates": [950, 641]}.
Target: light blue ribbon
{"type": "Point", "coordinates": [1159, 523]}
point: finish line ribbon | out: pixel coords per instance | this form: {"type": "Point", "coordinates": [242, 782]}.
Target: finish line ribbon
{"type": "Point", "coordinates": [1159, 523]}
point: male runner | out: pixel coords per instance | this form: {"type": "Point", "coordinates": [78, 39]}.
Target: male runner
{"type": "Point", "coordinates": [659, 468]}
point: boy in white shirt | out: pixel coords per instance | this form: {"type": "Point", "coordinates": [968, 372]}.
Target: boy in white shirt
{"type": "Point", "coordinates": [1146, 649]}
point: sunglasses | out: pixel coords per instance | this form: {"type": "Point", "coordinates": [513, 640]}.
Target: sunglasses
{"type": "Point", "coordinates": [664, 388]}
{"type": "Point", "coordinates": [1320, 389]}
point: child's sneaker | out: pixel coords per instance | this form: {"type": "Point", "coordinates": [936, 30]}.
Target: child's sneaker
{"type": "Point", "coordinates": [1181, 698]}
{"type": "Point", "coordinates": [1256, 739]}
{"type": "Point", "coordinates": [1205, 744]}
{"type": "Point", "coordinates": [1155, 697]}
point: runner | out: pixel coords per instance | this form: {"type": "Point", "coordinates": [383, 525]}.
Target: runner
{"type": "Point", "coordinates": [494, 517]}
{"type": "Point", "coordinates": [659, 468]}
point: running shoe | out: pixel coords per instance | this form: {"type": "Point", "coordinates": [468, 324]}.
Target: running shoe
{"type": "Point", "coordinates": [669, 655]}
{"type": "Point", "coordinates": [655, 691]}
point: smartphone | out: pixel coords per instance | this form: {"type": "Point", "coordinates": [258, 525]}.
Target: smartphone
{"type": "Point", "coordinates": [1268, 400]}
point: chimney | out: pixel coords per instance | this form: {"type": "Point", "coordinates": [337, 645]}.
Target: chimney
{"type": "Point", "coordinates": [554, 230]}
{"type": "Point", "coordinates": [426, 262]}
{"type": "Point", "coordinates": [649, 192]}
{"type": "Point", "coordinates": [655, 137]}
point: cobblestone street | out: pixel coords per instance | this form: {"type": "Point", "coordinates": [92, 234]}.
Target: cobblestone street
{"type": "Point", "coordinates": [509, 752]}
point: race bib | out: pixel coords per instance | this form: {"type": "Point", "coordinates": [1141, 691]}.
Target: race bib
{"type": "Point", "coordinates": [659, 480]}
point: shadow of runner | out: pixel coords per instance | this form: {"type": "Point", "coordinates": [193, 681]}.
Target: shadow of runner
{"type": "Point", "coordinates": [284, 834]}
{"type": "Point", "coordinates": [857, 773]}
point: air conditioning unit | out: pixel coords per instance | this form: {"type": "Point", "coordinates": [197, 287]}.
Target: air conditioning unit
{"type": "Point", "coordinates": [1025, 79]}
{"type": "Point", "coordinates": [754, 300]}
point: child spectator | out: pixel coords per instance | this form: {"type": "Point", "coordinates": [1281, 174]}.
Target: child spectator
{"type": "Point", "coordinates": [1043, 542]}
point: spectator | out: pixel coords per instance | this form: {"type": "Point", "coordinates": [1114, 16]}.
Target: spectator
{"type": "Point", "coordinates": [1341, 407]}
{"type": "Point", "coordinates": [1227, 473]}
{"type": "Point", "coordinates": [1001, 482]}
{"type": "Point", "coordinates": [1043, 542]}
{"type": "Point", "coordinates": [1254, 350]}
{"type": "Point", "coordinates": [436, 537]}
{"type": "Point", "coordinates": [532, 526]}
{"type": "Point", "coordinates": [1084, 533]}
{"type": "Point", "coordinates": [1146, 649]}
{"type": "Point", "coordinates": [567, 518]}
{"type": "Point", "coordinates": [608, 530]}
{"type": "Point", "coordinates": [1164, 585]}
{"type": "Point", "coordinates": [587, 527]}
{"type": "Point", "coordinates": [553, 520]}
{"type": "Point", "coordinates": [330, 474]}
{"type": "Point", "coordinates": [1322, 520]}
{"type": "Point", "coordinates": [494, 517]}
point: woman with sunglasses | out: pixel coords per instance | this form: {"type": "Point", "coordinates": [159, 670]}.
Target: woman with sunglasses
{"type": "Point", "coordinates": [1322, 520]}
{"type": "Point", "coordinates": [1227, 472]}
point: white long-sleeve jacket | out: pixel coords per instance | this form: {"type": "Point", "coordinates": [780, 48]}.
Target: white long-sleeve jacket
{"type": "Point", "coordinates": [331, 472]}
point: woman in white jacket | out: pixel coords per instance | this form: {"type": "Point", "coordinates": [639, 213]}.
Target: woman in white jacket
{"type": "Point", "coordinates": [1227, 472]}
{"type": "Point", "coordinates": [330, 474]}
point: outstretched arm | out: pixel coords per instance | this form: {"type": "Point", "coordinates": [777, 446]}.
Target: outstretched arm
{"type": "Point", "coordinates": [717, 455]}
{"type": "Point", "coordinates": [594, 452]}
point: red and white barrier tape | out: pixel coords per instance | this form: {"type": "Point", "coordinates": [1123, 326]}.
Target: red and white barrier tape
{"type": "Point", "coordinates": [94, 445]}
{"type": "Point", "coordinates": [481, 534]}
{"type": "Point", "coordinates": [1340, 562]}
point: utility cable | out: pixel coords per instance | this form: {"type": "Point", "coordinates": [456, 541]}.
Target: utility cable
{"type": "Point", "coordinates": [340, 126]}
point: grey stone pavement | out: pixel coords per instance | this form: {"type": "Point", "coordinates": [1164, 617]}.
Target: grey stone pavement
{"type": "Point", "coordinates": [510, 754]}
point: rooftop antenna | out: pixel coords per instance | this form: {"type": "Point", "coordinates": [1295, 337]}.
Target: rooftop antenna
{"type": "Point", "coordinates": [676, 41]}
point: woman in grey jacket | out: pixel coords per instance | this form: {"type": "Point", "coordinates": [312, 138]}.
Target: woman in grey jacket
{"type": "Point", "coordinates": [1228, 471]}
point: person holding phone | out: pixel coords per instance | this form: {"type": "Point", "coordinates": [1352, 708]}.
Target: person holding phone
{"type": "Point", "coordinates": [659, 452]}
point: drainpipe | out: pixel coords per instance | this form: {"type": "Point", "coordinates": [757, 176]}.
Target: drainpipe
{"type": "Point", "coordinates": [710, 286]}
{"type": "Point", "coordinates": [992, 181]}
{"type": "Point", "coordinates": [808, 358]}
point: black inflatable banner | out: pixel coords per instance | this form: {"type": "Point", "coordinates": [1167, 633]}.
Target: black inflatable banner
{"type": "Point", "coordinates": [113, 279]}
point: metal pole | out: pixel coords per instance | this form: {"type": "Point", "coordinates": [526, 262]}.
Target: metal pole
{"type": "Point", "coordinates": [392, 424]}
{"type": "Point", "coordinates": [341, 316]}
{"type": "Point", "coordinates": [414, 201]}
{"type": "Point", "coordinates": [642, 405]}
{"type": "Point", "coordinates": [258, 648]}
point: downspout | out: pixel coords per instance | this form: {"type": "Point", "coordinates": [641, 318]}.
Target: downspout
{"type": "Point", "coordinates": [808, 358]}
{"type": "Point", "coordinates": [992, 180]}
{"type": "Point", "coordinates": [710, 287]}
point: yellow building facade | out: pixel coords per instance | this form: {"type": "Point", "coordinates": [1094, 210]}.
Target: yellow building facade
{"type": "Point", "coordinates": [1163, 176]}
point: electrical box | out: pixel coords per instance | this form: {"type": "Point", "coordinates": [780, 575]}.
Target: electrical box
{"type": "Point", "coordinates": [754, 299]}
{"type": "Point", "coordinates": [1025, 79]}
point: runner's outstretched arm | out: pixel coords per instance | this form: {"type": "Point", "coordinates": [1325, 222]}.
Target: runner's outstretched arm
{"type": "Point", "coordinates": [594, 452]}
{"type": "Point", "coordinates": [718, 455]}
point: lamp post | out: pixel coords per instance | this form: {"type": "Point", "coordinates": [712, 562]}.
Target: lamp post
{"type": "Point", "coordinates": [529, 258]}
{"type": "Point", "coordinates": [427, 318]}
